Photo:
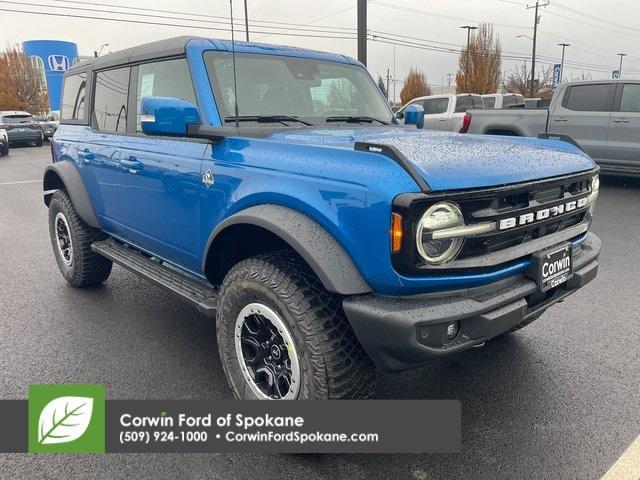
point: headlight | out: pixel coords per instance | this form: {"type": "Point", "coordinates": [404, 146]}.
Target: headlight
{"type": "Point", "coordinates": [441, 216]}
{"type": "Point", "coordinates": [593, 196]}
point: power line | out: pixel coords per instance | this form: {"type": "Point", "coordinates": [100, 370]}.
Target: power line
{"type": "Point", "coordinates": [226, 21]}
{"type": "Point", "coordinates": [163, 24]}
{"type": "Point", "coordinates": [593, 17]}
{"type": "Point", "coordinates": [438, 15]}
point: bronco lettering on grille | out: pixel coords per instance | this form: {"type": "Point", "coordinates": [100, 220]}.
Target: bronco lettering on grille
{"type": "Point", "coordinates": [542, 214]}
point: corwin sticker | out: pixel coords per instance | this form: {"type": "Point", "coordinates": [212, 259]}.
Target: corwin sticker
{"type": "Point", "coordinates": [66, 419]}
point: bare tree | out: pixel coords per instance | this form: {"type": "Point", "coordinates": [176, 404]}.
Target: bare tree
{"type": "Point", "coordinates": [415, 85]}
{"type": "Point", "coordinates": [520, 82]}
{"type": "Point", "coordinates": [21, 86]}
{"type": "Point", "coordinates": [479, 67]}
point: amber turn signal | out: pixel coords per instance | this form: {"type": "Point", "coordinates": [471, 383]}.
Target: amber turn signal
{"type": "Point", "coordinates": [396, 232]}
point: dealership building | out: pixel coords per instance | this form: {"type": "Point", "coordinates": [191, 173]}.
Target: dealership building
{"type": "Point", "coordinates": [51, 58]}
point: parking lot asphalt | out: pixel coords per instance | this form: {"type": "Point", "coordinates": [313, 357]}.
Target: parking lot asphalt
{"type": "Point", "coordinates": [557, 400]}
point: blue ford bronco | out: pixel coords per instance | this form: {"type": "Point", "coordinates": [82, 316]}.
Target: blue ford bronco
{"type": "Point", "coordinates": [273, 188]}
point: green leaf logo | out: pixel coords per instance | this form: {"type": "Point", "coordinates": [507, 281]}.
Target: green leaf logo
{"type": "Point", "coordinates": [64, 419]}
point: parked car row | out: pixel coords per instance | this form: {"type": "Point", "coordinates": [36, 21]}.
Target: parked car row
{"type": "Point", "coordinates": [18, 127]}
{"type": "Point", "coordinates": [446, 112]}
{"type": "Point", "coordinates": [601, 117]}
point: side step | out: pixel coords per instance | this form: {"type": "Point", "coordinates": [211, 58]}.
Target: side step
{"type": "Point", "coordinates": [200, 294]}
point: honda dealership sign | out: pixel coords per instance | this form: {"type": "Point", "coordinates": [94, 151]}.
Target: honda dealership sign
{"type": "Point", "coordinates": [54, 57]}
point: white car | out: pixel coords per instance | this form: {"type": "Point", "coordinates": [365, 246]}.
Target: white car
{"type": "Point", "coordinates": [445, 112]}
{"type": "Point", "coordinates": [4, 141]}
{"type": "Point", "coordinates": [503, 100]}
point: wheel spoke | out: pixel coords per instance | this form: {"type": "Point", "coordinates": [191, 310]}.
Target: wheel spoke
{"type": "Point", "coordinates": [268, 364]}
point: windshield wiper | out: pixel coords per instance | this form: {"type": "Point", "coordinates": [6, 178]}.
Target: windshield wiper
{"type": "Point", "coordinates": [356, 119]}
{"type": "Point", "coordinates": [268, 119]}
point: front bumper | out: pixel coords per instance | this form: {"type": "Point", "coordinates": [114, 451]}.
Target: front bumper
{"type": "Point", "coordinates": [400, 333]}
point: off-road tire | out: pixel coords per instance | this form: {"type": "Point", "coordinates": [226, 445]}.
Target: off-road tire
{"type": "Point", "coordinates": [332, 362]}
{"type": "Point", "coordinates": [87, 267]}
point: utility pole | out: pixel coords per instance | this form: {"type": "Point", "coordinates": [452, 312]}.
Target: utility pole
{"type": "Point", "coordinates": [394, 73]}
{"type": "Point", "coordinates": [622, 55]}
{"type": "Point", "coordinates": [246, 20]}
{"type": "Point", "coordinates": [466, 66]}
{"type": "Point", "coordinates": [387, 85]}
{"type": "Point", "coordinates": [362, 31]}
{"type": "Point", "coordinates": [563, 45]}
{"type": "Point", "coordinates": [536, 20]}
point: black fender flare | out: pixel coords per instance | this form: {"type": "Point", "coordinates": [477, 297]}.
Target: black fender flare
{"type": "Point", "coordinates": [322, 252]}
{"type": "Point", "coordinates": [65, 175]}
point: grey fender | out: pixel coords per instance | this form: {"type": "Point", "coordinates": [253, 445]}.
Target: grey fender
{"type": "Point", "coordinates": [311, 241]}
{"type": "Point", "coordinates": [65, 175]}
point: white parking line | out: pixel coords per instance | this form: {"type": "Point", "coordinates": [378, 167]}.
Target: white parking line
{"type": "Point", "coordinates": [20, 182]}
{"type": "Point", "coordinates": [628, 465]}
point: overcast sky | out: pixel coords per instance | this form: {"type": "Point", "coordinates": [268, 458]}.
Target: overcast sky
{"type": "Point", "coordinates": [596, 29]}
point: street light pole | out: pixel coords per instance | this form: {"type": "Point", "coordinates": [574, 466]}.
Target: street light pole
{"type": "Point", "coordinates": [362, 32]}
{"type": "Point", "coordinates": [563, 45]}
{"type": "Point", "coordinates": [466, 66]}
{"type": "Point", "coordinates": [246, 20]}
{"type": "Point", "coordinates": [622, 55]}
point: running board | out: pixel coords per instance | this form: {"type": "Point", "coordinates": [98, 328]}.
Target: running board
{"type": "Point", "coordinates": [200, 294]}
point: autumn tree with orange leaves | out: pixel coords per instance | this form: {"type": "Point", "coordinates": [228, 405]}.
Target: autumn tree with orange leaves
{"type": "Point", "coordinates": [479, 69]}
{"type": "Point", "coordinates": [415, 85]}
{"type": "Point", "coordinates": [21, 85]}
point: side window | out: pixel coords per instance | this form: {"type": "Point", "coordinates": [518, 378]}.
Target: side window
{"type": "Point", "coordinates": [73, 97]}
{"type": "Point", "coordinates": [436, 106]}
{"type": "Point", "coordinates": [169, 78]}
{"type": "Point", "coordinates": [489, 102]}
{"type": "Point", "coordinates": [464, 103]}
{"type": "Point", "coordinates": [630, 101]}
{"type": "Point", "coordinates": [588, 98]}
{"type": "Point", "coordinates": [110, 100]}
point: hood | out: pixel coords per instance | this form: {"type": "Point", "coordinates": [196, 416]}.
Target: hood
{"type": "Point", "coordinates": [451, 161]}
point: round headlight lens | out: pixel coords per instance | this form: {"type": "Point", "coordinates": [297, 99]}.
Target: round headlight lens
{"type": "Point", "coordinates": [439, 217]}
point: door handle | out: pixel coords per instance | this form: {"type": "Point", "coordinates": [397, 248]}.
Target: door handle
{"type": "Point", "coordinates": [442, 119]}
{"type": "Point", "coordinates": [132, 164]}
{"type": "Point", "coordinates": [86, 155]}
{"type": "Point", "coordinates": [620, 120]}
{"type": "Point", "coordinates": [560, 119]}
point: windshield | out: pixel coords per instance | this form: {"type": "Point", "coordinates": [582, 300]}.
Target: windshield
{"type": "Point", "coordinates": [308, 89]}
{"type": "Point", "coordinates": [17, 119]}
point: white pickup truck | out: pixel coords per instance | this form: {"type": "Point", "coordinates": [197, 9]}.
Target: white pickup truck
{"type": "Point", "coordinates": [602, 117]}
{"type": "Point", "coordinates": [444, 112]}
{"type": "Point", "coordinates": [503, 100]}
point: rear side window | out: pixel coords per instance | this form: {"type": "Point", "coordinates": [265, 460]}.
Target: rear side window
{"type": "Point", "coordinates": [489, 102]}
{"type": "Point", "coordinates": [467, 103]}
{"type": "Point", "coordinates": [588, 98]}
{"type": "Point", "coordinates": [170, 78]}
{"type": "Point", "coordinates": [73, 97]}
{"type": "Point", "coordinates": [110, 100]}
{"type": "Point", "coordinates": [512, 101]}
{"type": "Point", "coordinates": [630, 100]}
{"type": "Point", "coordinates": [435, 106]}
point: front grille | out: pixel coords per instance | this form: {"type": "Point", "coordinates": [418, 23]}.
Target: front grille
{"type": "Point", "coordinates": [490, 205]}
{"type": "Point", "coordinates": [514, 203]}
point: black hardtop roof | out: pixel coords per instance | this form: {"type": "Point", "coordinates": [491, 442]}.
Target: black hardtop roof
{"type": "Point", "coordinates": [161, 48]}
